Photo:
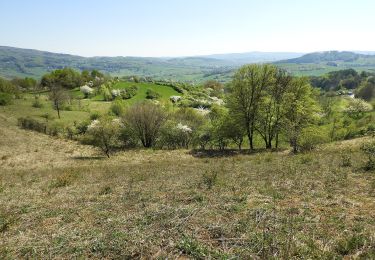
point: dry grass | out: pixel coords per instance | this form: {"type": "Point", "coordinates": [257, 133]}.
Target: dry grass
{"type": "Point", "coordinates": [60, 200]}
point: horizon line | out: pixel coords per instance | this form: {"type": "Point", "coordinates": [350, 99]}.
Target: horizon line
{"type": "Point", "coordinates": [189, 56]}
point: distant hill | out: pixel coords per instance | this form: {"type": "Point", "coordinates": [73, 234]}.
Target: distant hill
{"type": "Point", "coordinates": [328, 56]}
{"type": "Point", "coordinates": [255, 57]}
{"type": "Point", "coordinates": [17, 62]}
{"type": "Point", "coordinates": [319, 63]}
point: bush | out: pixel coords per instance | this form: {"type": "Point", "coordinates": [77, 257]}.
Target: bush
{"type": "Point", "coordinates": [173, 135]}
{"type": "Point", "coordinates": [81, 127]}
{"type": "Point", "coordinates": [117, 107]}
{"type": "Point", "coordinates": [55, 129]}
{"type": "Point", "coordinates": [104, 134]}
{"type": "Point", "coordinates": [6, 99]}
{"type": "Point", "coordinates": [145, 120]}
{"type": "Point", "coordinates": [346, 160]}
{"type": "Point", "coordinates": [37, 103]}
{"type": "Point", "coordinates": [41, 127]}
{"type": "Point", "coordinates": [94, 116]}
{"type": "Point", "coordinates": [368, 148]}
{"type": "Point", "coordinates": [129, 92]}
{"type": "Point", "coordinates": [107, 96]}
{"type": "Point", "coordinates": [310, 138]}
{"type": "Point", "coordinates": [86, 91]}
{"type": "Point", "coordinates": [32, 124]}
{"type": "Point", "coordinates": [151, 94]}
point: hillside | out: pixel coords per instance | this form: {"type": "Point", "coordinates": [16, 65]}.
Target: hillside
{"type": "Point", "coordinates": [255, 57]}
{"type": "Point", "coordinates": [16, 62]}
{"type": "Point", "coordinates": [319, 63]}
{"type": "Point", "coordinates": [63, 200]}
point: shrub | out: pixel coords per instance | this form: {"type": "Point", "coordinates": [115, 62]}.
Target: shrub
{"type": "Point", "coordinates": [310, 138]}
{"type": "Point", "coordinates": [55, 129]}
{"type": "Point", "coordinates": [173, 135]}
{"type": "Point", "coordinates": [63, 180]}
{"type": "Point", "coordinates": [82, 127]}
{"type": "Point", "coordinates": [203, 136]}
{"type": "Point", "coordinates": [5, 99]}
{"type": "Point", "coordinates": [346, 160]}
{"type": "Point", "coordinates": [357, 108]}
{"type": "Point", "coordinates": [104, 134]}
{"type": "Point", "coordinates": [117, 107]}
{"type": "Point", "coordinates": [209, 179]}
{"type": "Point", "coordinates": [94, 116]}
{"type": "Point", "coordinates": [151, 94]}
{"type": "Point", "coordinates": [107, 96]}
{"type": "Point", "coordinates": [37, 103]}
{"type": "Point", "coordinates": [129, 92]}
{"type": "Point", "coordinates": [368, 148]}
{"type": "Point", "coordinates": [128, 137]}
{"type": "Point", "coordinates": [32, 124]}
{"type": "Point", "coordinates": [86, 91]}
{"type": "Point", "coordinates": [145, 120]}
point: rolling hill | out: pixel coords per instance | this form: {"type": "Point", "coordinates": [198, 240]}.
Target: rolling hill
{"type": "Point", "coordinates": [319, 63]}
{"type": "Point", "coordinates": [17, 62]}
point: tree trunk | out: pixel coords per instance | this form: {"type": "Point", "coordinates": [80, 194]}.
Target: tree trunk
{"type": "Point", "coordinates": [58, 109]}
{"type": "Point", "coordinates": [277, 140]}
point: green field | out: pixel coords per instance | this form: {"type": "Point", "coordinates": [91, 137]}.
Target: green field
{"type": "Point", "coordinates": [164, 91]}
{"type": "Point", "coordinates": [78, 109]}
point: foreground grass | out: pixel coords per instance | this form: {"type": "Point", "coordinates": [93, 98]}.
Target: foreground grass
{"type": "Point", "coordinates": [62, 200]}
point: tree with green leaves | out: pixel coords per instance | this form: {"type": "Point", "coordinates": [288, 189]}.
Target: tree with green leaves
{"type": "Point", "coordinates": [272, 108]}
{"type": "Point", "coordinates": [301, 110]}
{"type": "Point", "coordinates": [248, 88]}
{"type": "Point", "coordinates": [66, 78]}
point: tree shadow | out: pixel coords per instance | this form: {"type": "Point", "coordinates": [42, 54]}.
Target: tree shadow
{"type": "Point", "coordinates": [83, 158]}
{"type": "Point", "coordinates": [212, 153]}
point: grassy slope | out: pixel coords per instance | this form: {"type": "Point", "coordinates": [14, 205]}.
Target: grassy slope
{"type": "Point", "coordinates": [80, 109]}
{"type": "Point", "coordinates": [164, 91]}
{"type": "Point", "coordinates": [59, 200]}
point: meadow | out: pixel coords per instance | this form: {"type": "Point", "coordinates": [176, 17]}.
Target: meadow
{"type": "Point", "coordinates": [60, 199]}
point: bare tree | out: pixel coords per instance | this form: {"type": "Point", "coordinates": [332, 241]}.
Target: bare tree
{"type": "Point", "coordinates": [145, 120]}
{"type": "Point", "coordinates": [58, 96]}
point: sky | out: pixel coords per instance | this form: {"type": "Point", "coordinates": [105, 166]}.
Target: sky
{"type": "Point", "coordinates": [186, 27]}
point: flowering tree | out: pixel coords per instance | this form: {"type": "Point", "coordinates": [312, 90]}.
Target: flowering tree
{"type": "Point", "coordinates": [104, 133]}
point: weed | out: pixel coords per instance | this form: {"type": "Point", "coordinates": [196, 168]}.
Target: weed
{"type": "Point", "coordinates": [209, 178]}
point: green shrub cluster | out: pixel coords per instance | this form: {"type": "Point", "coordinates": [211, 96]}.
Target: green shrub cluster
{"type": "Point", "coordinates": [151, 94]}
{"type": "Point", "coordinates": [6, 99]}
{"type": "Point", "coordinates": [53, 129]}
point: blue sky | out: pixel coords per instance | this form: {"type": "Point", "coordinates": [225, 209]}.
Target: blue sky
{"type": "Point", "coordinates": [186, 27]}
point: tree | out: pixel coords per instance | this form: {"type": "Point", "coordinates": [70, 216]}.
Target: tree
{"type": "Point", "coordinates": [145, 120]}
{"type": "Point", "coordinates": [300, 110]}
{"type": "Point", "coordinates": [271, 108]}
{"type": "Point", "coordinates": [357, 107]}
{"type": "Point", "coordinates": [7, 87]}
{"type": "Point", "coordinates": [66, 78]}
{"type": "Point", "coordinates": [26, 83]}
{"type": "Point", "coordinates": [217, 87]}
{"type": "Point", "coordinates": [248, 86]}
{"type": "Point", "coordinates": [366, 91]}
{"type": "Point", "coordinates": [58, 96]}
